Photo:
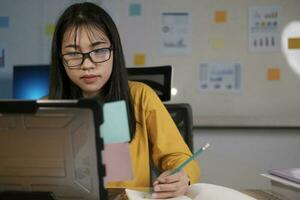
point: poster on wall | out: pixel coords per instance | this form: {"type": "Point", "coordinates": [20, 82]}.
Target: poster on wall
{"type": "Point", "coordinates": [220, 76]}
{"type": "Point", "coordinates": [176, 33]}
{"type": "Point", "coordinates": [2, 55]}
{"type": "Point", "coordinates": [263, 29]}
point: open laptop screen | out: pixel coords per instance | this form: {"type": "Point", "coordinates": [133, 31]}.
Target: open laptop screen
{"type": "Point", "coordinates": [52, 146]}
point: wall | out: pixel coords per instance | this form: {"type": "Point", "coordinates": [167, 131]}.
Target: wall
{"type": "Point", "coordinates": [259, 102]}
{"type": "Point", "coordinates": [237, 157]}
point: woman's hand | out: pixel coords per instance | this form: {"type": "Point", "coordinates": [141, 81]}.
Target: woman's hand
{"type": "Point", "coordinates": [168, 186]}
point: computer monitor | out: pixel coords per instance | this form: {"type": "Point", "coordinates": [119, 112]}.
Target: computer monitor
{"type": "Point", "coordinates": [30, 81]}
{"type": "Point", "coordinates": [51, 146]}
{"type": "Point", "coordinates": [157, 77]}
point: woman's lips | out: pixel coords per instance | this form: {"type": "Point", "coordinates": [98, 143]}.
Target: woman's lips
{"type": "Point", "coordinates": [88, 79]}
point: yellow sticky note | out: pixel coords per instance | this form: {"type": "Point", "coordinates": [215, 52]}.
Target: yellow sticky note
{"type": "Point", "coordinates": [217, 43]}
{"type": "Point", "coordinates": [294, 43]}
{"type": "Point", "coordinates": [220, 16]}
{"type": "Point", "coordinates": [273, 74]}
{"type": "Point", "coordinates": [49, 29]}
{"type": "Point", "coordinates": [139, 59]}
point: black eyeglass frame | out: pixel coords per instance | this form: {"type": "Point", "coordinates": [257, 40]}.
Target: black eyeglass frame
{"type": "Point", "coordinates": [86, 55]}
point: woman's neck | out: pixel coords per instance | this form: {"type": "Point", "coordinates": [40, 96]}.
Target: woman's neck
{"type": "Point", "coordinates": [92, 95]}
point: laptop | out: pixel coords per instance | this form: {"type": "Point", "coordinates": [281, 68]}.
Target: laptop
{"type": "Point", "coordinates": [51, 149]}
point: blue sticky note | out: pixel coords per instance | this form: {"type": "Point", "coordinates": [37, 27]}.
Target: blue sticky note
{"type": "Point", "coordinates": [4, 22]}
{"type": "Point", "coordinates": [115, 128]}
{"type": "Point", "coordinates": [135, 9]}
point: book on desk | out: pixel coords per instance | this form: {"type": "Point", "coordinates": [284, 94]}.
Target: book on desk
{"type": "Point", "coordinates": [285, 182]}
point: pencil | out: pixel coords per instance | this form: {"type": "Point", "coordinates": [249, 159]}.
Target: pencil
{"type": "Point", "coordinates": [182, 165]}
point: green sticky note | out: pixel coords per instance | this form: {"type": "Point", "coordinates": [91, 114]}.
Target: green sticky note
{"type": "Point", "coordinates": [115, 127]}
{"type": "Point", "coordinates": [135, 9]}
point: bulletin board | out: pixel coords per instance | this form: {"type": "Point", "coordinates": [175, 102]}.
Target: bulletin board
{"type": "Point", "coordinates": [223, 64]}
{"type": "Point", "coordinates": [231, 70]}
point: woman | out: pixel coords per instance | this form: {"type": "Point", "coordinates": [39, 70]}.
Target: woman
{"type": "Point", "coordinates": [88, 61]}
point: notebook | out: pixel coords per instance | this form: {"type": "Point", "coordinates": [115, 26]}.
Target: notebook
{"type": "Point", "coordinates": [292, 174]}
{"type": "Point", "coordinates": [199, 191]}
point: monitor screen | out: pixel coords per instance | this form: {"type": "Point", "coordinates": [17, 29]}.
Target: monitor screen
{"type": "Point", "coordinates": [30, 81]}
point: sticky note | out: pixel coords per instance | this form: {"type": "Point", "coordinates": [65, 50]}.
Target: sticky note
{"type": "Point", "coordinates": [49, 29]}
{"type": "Point", "coordinates": [294, 43]}
{"type": "Point", "coordinates": [139, 59]}
{"type": "Point", "coordinates": [273, 74]}
{"type": "Point", "coordinates": [4, 22]}
{"type": "Point", "coordinates": [220, 16]}
{"type": "Point", "coordinates": [135, 9]}
{"type": "Point", "coordinates": [117, 161]}
{"type": "Point", "coordinates": [217, 43]}
{"type": "Point", "coordinates": [115, 128]}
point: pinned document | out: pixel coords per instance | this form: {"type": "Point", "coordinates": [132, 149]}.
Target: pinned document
{"type": "Point", "coordinates": [2, 54]}
{"type": "Point", "coordinates": [115, 127]}
{"type": "Point", "coordinates": [264, 32]}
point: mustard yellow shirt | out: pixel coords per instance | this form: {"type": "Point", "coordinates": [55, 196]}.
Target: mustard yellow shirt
{"type": "Point", "coordinates": [157, 133]}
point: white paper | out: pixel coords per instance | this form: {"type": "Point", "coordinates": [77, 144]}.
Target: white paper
{"type": "Point", "coordinates": [263, 29]}
{"type": "Point", "coordinates": [220, 76]}
{"type": "Point", "coordinates": [198, 191]}
{"type": "Point", "coordinates": [176, 33]}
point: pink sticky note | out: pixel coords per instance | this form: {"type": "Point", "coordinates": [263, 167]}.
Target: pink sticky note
{"type": "Point", "coordinates": [117, 161]}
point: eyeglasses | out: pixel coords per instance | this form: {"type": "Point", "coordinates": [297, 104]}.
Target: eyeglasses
{"type": "Point", "coordinates": [75, 59]}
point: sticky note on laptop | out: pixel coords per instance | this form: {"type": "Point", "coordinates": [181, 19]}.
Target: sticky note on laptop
{"type": "Point", "coordinates": [114, 156]}
{"type": "Point", "coordinates": [115, 127]}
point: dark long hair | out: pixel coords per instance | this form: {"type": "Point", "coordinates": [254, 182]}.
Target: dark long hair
{"type": "Point", "coordinates": [92, 17]}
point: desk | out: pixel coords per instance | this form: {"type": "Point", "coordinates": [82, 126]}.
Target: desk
{"type": "Point", "coordinates": [262, 194]}
{"type": "Point", "coordinates": [119, 194]}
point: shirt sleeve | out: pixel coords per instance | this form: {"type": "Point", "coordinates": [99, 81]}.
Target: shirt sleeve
{"type": "Point", "coordinates": [168, 148]}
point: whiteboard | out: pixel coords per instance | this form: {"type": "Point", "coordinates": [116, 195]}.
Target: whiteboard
{"type": "Point", "coordinates": [259, 101]}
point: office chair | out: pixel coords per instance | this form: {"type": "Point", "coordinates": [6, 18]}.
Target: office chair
{"type": "Point", "coordinates": [182, 115]}
{"type": "Point", "coordinates": [157, 77]}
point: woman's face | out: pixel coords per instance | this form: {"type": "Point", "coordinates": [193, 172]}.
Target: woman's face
{"type": "Point", "coordinates": [89, 76]}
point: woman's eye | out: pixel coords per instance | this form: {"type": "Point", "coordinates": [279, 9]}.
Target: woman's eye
{"type": "Point", "coordinates": [73, 54]}
{"type": "Point", "coordinates": [100, 51]}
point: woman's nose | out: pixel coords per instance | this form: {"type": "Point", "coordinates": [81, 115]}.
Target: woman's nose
{"type": "Point", "coordinates": [87, 64]}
